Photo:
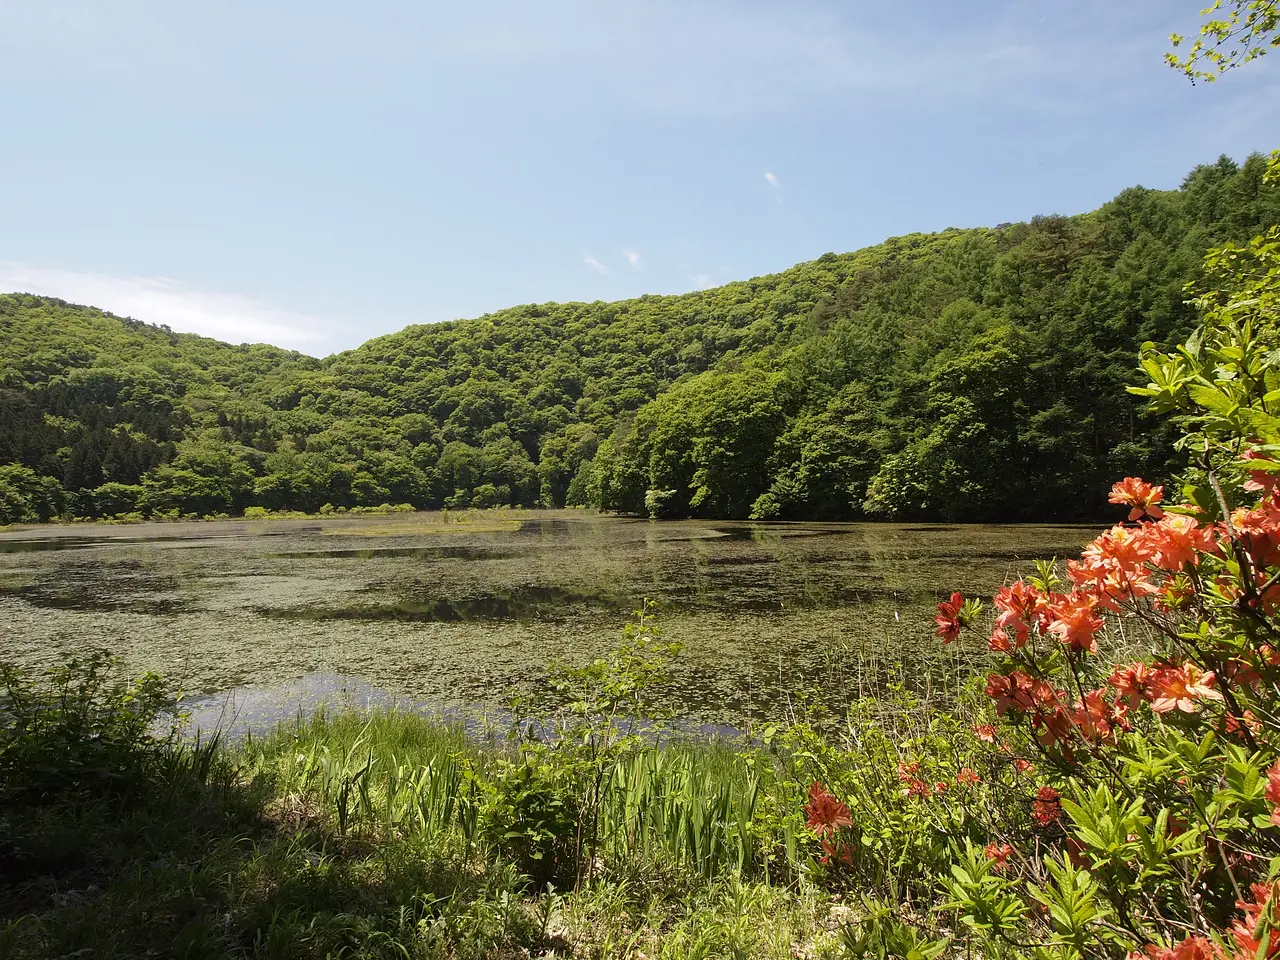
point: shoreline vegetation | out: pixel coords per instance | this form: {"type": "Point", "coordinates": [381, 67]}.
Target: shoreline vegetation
{"type": "Point", "coordinates": [462, 517]}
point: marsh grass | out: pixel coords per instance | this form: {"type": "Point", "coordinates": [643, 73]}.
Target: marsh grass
{"type": "Point", "coordinates": [693, 861]}
{"type": "Point", "coordinates": [396, 773]}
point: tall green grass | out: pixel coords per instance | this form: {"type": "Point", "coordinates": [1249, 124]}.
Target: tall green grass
{"type": "Point", "coordinates": [396, 774]}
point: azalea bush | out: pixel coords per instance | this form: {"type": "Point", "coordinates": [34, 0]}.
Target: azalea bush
{"type": "Point", "coordinates": [883, 808]}
{"type": "Point", "coordinates": [1122, 797]}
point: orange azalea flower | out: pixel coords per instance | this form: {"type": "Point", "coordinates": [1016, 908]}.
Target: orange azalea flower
{"type": "Point", "coordinates": [907, 771]}
{"type": "Point", "coordinates": [967, 777]}
{"type": "Point", "coordinates": [1259, 528]}
{"type": "Point", "coordinates": [941, 786]}
{"type": "Point", "coordinates": [1075, 622]}
{"type": "Point", "coordinates": [1120, 715]}
{"type": "Point", "coordinates": [1087, 572]}
{"type": "Point", "coordinates": [1046, 808]}
{"type": "Point", "coordinates": [1133, 682]}
{"type": "Point", "coordinates": [999, 854]}
{"type": "Point", "coordinates": [1236, 727]}
{"type": "Point", "coordinates": [1182, 688]}
{"type": "Point", "coordinates": [1192, 948]}
{"type": "Point", "coordinates": [1077, 854]}
{"type": "Point", "coordinates": [1118, 584]}
{"type": "Point", "coordinates": [1140, 495]}
{"type": "Point", "coordinates": [1273, 791]}
{"type": "Point", "coordinates": [837, 852]}
{"type": "Point", "coordinates": [1262, 481]}
{"type": "Point", "coordinates": [1021, 691]}
{"type": "Point", "coordinates": [1017, 605]}
{"type": "Point", "coordinates": [824, 814]}
{"type": "Point", "coordinates": [948, 618]}
{"type": "Point", "coordinates": [918, 789]}
{"type": "Point", "coordinates": [1053, 725]}
{"type": "Point", "coordinates": [1130, 547]}
{"type": "Point", "coordinates": [1023, 765]}
{"type": "Point", "coordinates": [1248, 933]}
{"type": "Point", "coordinates": [985, 732]}
{"type": "Point", "coordinates": [1044, 612]}
{"type": "Point", "coordinates": [1093, 717]}
{"type": "Point", "coordinates": [1004, 691]}
{"type": "Point", "coordinates": [1241, 673]}
{"type": "Point", "coordinates": [1178, 540]}
{"type": "Point", "coordinates": [1046, 695]}
{"type": "Point", "coordinates": [1270, 596]}
{"type": "Point", "coordinates": [1115, 564]}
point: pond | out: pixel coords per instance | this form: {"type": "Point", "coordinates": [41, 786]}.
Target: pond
{"type": "Point", "coordinates": [461, 611]}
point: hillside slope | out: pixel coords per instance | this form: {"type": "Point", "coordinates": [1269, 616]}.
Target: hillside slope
{"type": "Point", "coordinates": [971, 374]}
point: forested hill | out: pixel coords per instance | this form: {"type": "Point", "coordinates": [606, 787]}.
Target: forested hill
{"type": "Point", "coordinates": [971, 374]}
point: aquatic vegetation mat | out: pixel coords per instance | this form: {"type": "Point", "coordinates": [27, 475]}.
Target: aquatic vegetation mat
{"type": "Point", "coordinates": [762, 610]}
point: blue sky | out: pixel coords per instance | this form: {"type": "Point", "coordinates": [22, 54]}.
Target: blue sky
{"type": "Point", "coordinates": [316, 173]}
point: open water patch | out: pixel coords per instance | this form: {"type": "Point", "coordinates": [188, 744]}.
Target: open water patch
{"type": "Point", "coordinates": [51, 543]}
{"type": "Point", "coordinates": [84, 600]}
{"type": "Point", "coordinates": [240, 711]}
{"type": "Point", "coordinates": [452, 552]}
{"type": "Point", "coordinates": [765, 533]}
{"type": "Point", "coordinates": [245, 711]}
{"type": "Point", "coordinates": [124, 587]}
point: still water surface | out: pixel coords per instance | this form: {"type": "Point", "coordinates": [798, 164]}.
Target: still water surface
{"type": "Point", "coordinates": [456, 614]}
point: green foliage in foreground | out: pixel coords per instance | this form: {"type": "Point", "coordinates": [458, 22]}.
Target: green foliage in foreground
{"type": "Point", "coordinates": [382, 835]}
{"type": "Point", "coordinates": [888, 382]}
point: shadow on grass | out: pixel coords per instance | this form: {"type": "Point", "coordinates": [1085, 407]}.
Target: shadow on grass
{"type": "Point", "coordinates": [114, 845]}
{"type": "Point", "coordinates": [188, 866]}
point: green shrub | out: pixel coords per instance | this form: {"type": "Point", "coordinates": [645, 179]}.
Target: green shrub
{"type": "Point", "coordinates": [79, 729]}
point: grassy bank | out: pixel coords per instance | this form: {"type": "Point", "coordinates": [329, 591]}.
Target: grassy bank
{"type": "Point", "coordinates": [388, 835]}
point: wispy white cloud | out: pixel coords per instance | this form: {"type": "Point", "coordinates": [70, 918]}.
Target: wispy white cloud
{"type": "Point", "coordinates": [773, 180]}
{"type": "Point", "coordinates": [633, 258]}
{"type": "Point", "coordinates": [595, 264]}
{"type": "Point", "coordinates": [159, 300]}
{"type": "Point", "coordinates": [702, 281]}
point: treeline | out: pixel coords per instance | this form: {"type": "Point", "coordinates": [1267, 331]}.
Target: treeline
{"type": "Point", "coordinates": [972, 374]}
{"type": "Point", "coordinates": [968, 375]}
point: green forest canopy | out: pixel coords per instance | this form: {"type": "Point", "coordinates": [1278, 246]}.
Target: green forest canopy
{"type": "Point", "coordinates": [971, 374]}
